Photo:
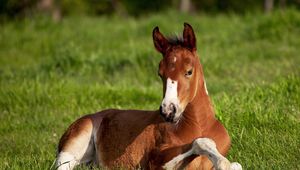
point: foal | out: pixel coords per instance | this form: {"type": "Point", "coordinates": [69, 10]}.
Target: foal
{"type": "Point", "coordinates": [151, 139]}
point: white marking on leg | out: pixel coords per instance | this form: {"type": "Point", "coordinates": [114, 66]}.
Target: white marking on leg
{"type": "Point", "coordinates": [207, 147]}
{"type": "Point", "coordinates": [236, 166]}
{"type": "Point", "coordinates": [82, 147]}
{"type": "Point", "coordinates": [66, 161]}
{"type": "Point", "coordinates": [77, 150]}
{"type": "Point", "coordinates": [176, 161]}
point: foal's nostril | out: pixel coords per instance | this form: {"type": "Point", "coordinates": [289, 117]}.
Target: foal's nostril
{"type": "Point", "coordinates": [172, 108]}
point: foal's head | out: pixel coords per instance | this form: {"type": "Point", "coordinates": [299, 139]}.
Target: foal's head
{"type": "Point", "coordinates": [179, 70]}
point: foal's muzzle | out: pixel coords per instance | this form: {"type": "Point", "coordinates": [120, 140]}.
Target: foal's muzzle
{"type": "Point", "coordinates": [168, 112]}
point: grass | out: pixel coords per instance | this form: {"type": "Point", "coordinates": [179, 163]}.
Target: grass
{"type": "Point", "coordinates": [53, 73]}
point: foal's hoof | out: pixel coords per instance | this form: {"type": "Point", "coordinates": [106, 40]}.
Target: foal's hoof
{"type": "Point", "coordinates": [236, 166]}
{"type": "Point", "coordinates": [223, 164]}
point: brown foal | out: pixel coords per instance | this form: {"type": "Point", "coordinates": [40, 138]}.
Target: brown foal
{"type": "Point", "coordinates": [151, 139]}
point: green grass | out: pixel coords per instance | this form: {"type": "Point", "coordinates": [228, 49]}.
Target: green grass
{"type": "Point", "coordinates": [51, 74]}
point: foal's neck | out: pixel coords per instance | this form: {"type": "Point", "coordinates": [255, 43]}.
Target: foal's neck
{"type": "Point", "coordinates": [198, 113]}
{"type": "Point", "coordinates": [200, 108]}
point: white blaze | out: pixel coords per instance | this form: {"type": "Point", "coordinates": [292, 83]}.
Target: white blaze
{"type": "Point", "coordinates": [171, 96]}
{"type": "Point", "coordinates": [171, 92]}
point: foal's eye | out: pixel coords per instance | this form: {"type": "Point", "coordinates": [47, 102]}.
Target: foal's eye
{"type": "Point", "coordinates": [189, 73]}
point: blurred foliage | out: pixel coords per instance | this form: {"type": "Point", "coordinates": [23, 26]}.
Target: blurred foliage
{"type": "Point", "coordinates": [16, 7]}
{"type": "Point", "coordinates": [136, 7]}
{"type": "Point", "coordinates": [228, 5]}
{"type": "Point", "coordinates": [22, 8]}
{"type": "Point", "coordinates": [91, 7]}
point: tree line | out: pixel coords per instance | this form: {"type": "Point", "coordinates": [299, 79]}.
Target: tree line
{"type": "Point", "coordinates": [60, 8]}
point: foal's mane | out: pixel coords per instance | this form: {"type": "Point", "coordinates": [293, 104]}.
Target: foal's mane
{"type": "Point", "coordinates": [175, 40]}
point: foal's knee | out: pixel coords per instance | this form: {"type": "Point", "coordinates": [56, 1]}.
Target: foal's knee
{"type": "Point", "coordinates": [202, 145]}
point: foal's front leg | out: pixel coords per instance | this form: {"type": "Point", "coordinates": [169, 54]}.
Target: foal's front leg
{"type": "Point", "coordinates": [207, 147]}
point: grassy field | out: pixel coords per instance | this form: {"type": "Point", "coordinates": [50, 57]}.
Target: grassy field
{"type": "Point", "coordinates": [53, 73]}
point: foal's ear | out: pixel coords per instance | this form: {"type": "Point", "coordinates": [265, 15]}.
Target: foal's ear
{"type": "Point", "coordinates": [160, 42]}
{"type": "Point", "coordinates": [189, 39]}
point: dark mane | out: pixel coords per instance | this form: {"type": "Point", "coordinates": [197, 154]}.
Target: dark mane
{"type": "Point", "coordinates": [175, 40]}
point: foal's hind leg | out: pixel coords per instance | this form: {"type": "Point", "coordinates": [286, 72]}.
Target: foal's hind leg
{"type": "Point", "coordinates": [76, 146]}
